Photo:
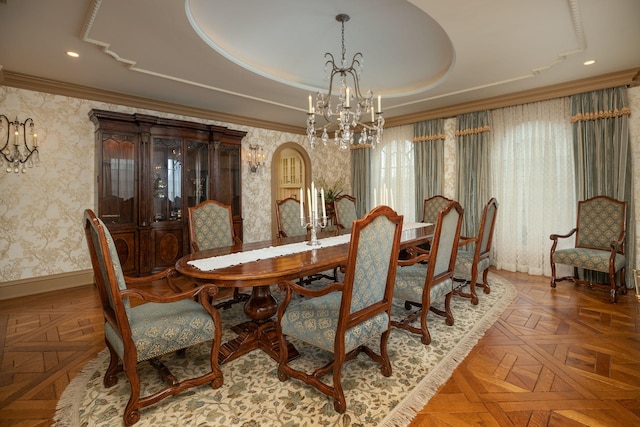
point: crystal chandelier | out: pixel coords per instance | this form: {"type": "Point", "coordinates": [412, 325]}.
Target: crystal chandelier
{"type": "Point", "coordinates": [353, 111]}
{"type": "Point", "coordinates": [14, 154]}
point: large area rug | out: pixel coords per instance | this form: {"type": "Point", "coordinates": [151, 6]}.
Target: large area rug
{"type": "Point", "coordinates": [253, 396]}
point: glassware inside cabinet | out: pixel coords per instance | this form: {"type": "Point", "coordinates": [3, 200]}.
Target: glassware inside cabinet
{"type": "Point", "coordinates": [167, 181]}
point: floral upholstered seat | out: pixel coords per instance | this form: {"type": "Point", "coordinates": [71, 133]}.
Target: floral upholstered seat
{"type": "Point", "coordinates": [288, 218]}
{"type": "Point", "coordinates": [422, 285]}
{"type": "Point", "coordinates": [342, 318]}
{"type": "Point", "coordinates": [163, 324]}
{"type": "Point", "coordinates": [473, 255]}
{"type": "Point", "coordinates": [599, 243]}
{"type": "Point", "coordinates": [345, 209]}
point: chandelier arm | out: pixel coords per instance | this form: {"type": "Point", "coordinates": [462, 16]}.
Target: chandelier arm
{"type": "Point", "coordinates": [6, 142]}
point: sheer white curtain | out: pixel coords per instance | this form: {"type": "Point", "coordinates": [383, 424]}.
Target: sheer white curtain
{"type": "Point", "coordinates": [392, 175]}
{"type": "Point", "coordinates": [532, 155]}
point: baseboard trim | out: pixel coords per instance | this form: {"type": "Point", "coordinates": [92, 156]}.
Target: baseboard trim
{"type": "Point", "coordinates": [38, 285]}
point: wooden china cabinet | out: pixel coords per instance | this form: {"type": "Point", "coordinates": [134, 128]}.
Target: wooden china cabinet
{"type": "Point", "coordinates": [149, 171]}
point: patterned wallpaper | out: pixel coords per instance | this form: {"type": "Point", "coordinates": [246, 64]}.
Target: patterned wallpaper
{"type": "Point", "coordinates": [41, 211]}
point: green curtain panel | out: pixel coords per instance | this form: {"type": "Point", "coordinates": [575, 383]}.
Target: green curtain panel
{"type": "Point", "coordinates": [474, 168]}
{"type": "Point", "coordinates": [361, 178]}
{"type": "Point", "coordinates": [428, 155]}
{"type": "Point", "coordinates": [600, 121]}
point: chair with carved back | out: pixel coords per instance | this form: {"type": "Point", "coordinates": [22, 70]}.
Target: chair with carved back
{"type": "Point", "coordinates": [288, 218]}
{"type": "Point", "coordinates": [473, 260]}
{"type": "Point", "coordinates": [163, 323]}
{"type": "Point", "coordinates": [342, 318]}
{"type": "Point", "coordinates": [422, 284]}
{"type": "Point", "coordinates": [345, 210]}
{"type": "Point", "coordinates": [599, 244]}
{"type": "Point", "coordinates": [211, 226]}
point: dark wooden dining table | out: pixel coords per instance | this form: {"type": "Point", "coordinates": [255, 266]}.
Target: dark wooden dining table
{"type": "Point", "coordinates": [259, 331]}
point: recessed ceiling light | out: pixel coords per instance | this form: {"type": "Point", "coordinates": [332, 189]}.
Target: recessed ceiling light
{"type": "Point", "coordinates": [73, 54]}
{"type": "Point", "coordinates": [590, 62]}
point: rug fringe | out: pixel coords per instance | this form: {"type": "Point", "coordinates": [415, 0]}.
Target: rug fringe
{"type": "Point", "coordinates": [68, 405]}
{"type": "Point", "coordinates": [408, 408]}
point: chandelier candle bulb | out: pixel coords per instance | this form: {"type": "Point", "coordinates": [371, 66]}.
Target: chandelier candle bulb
{"type": "Point", "coordinates": [347, 97]}
{"type": "Point", "coordinates": [324, 208]}
{"type": "Point", "coordinates": [379, 104]}
{"type": "Point", "coordinates": [310, 106]}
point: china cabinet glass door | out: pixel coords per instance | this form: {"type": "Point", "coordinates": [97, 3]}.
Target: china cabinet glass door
{"type": "Point", "coordinates": [197, 178]}
{"type": "Point", "coordinates": [167, 180]}
{"type": "Point", "coordinates": [118, 180]}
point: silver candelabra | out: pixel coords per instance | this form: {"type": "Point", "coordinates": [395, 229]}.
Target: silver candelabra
{"type": "Point", "coordinates": [313, 223]}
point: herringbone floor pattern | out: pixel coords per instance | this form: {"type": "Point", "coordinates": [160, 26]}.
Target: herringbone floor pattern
{"type": "Point", "coordinates": [563, 357]}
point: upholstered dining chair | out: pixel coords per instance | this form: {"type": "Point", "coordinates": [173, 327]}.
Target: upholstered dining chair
{"type": "Point", "coordinates": [432, 206]}
{"type": "Point", "coordinates": [342, 318]}
{"type": "Point", "coordinates": [422, 284]}
{"type": "Point", "coordinates": [345, 209]}
{"type": "Point", "coordinates": [599, 244]}
{"type": "Point", "coordinates": [211, 226]}
{"type": "Point", "coordinates": [473, 255]}
{"type": "Point", "coordinates": [162, 324]}
{"type": "Point", "coordinates": [288, 218]}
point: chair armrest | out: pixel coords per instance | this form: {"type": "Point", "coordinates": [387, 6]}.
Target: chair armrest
{"type": "Point", "coordinates": [286, 285]}
{"type": "Point", "coordinates": [466, 240]}
{"type": "Point", "coordinates": [563, 236]}
{"type": "Point", "coordinates": [416, 254]}
{"type": "Point", "coordinates": [166, 274]}
{"type": "Point", "coordinates": [617, 244]}
{"type": "Point", "coordinates": [208, 289]}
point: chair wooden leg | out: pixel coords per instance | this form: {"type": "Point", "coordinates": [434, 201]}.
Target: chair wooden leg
{"type": "Point", "coordinates": [111, 375]}
{"type": "Point", "coordinates": [132, 411]}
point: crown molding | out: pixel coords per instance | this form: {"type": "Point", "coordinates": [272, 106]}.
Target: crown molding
{"type": "Point", "coordinates": [24, 81]}
{"type": "Point", "coordinates": [630, 77]}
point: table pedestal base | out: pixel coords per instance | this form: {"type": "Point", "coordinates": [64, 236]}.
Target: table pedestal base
{"type": "Point", "coordinates": [252, 336]}
{"type": "Point", "coordinates": [258, 333]}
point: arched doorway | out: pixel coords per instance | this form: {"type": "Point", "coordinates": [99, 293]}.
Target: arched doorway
{"type": "Point", "coordinates": [290, 171]}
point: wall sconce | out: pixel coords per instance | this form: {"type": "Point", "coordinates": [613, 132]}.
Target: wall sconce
{"type": "Point", "coordinates": [256, 158]}
{"type": "Point", "coordinates": [15, 154]}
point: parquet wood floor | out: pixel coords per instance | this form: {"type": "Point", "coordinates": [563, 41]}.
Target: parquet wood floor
{"type": "Point", "coordinates": [563, 357]}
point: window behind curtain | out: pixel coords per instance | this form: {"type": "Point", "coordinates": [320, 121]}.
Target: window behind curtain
{"type": "Point", "coordinates": [533, 177]}
{"type": "Point", "coordinates": [392, 169]}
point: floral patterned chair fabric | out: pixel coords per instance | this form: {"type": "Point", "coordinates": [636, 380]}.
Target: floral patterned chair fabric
{"type": "Point", "coordinates": [163, 324]}
{"type": "Point", "coordinates": [342, 318]}
{"type": "Point", "coordinates": [345, 209]}
{"type": "Point", "coordinates": [423, 284]}
{"type": "Point", "coordinates": [599, 243]}
{"type": "Point", "coordinates": [432, 206]}
{"type": "Point", "coordinates": [211, 226]}
{"type": "Point", "coordinates": [473, 259]}
{"type": "Point", "coordinates": [288, 217]}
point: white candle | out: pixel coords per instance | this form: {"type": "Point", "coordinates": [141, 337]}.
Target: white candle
{"type": "Point", "coordinates": [301, 202]}
{"type": "Point", "coordinates": [314, 200]}
{"type": "Point", "coordinates": [379, 103]}
{"type": "Point", "coordinates": [324, 208]}
{"type": "Point", "coordinates": [309, 202]}
{"type": "Point", "coordinates": [347, 97]}
{"type": "Point", "coordinates": [372, 115]}
{"type": "Point", "coordinates": [311, 107]}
